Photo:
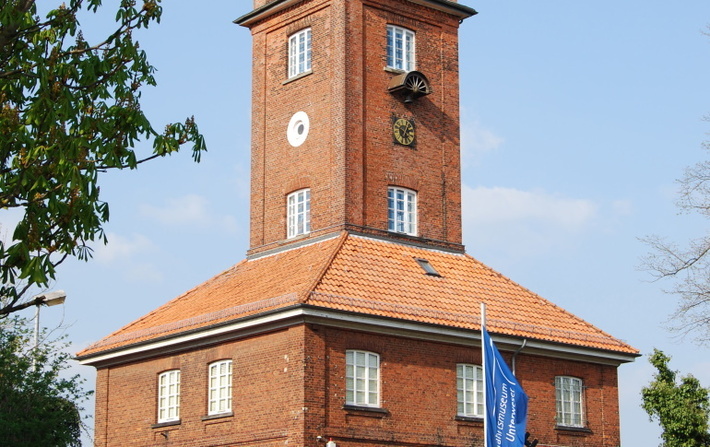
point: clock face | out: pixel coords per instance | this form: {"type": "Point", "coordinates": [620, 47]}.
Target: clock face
{"type": "Point", "coordinates": [403, 130]}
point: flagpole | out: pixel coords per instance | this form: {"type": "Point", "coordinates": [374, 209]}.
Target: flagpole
{"type": "Point", "coordinates": [483, 370]}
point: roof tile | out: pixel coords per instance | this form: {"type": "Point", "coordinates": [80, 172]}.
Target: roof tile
{"type": "Point", "coordinates": [371, 276]}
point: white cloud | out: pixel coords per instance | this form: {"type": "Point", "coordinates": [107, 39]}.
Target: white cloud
{"type": "Point", "coordinates": [121, 247]}
{"type": "Point", "coordinates": [143, 273]}
{"type": "Point", "coordinates": [477, 141]}
{"type": "Point", "coordinates": [190, 209]}
{"type": "Point", "coordinates": [622, 207]}
{"type": "Point", "coordinates": [519, 222]}
{"type": "Point", "coordinates": [505, 205]}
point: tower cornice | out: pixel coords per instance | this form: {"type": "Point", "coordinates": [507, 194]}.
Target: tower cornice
{"type": "Point", "coordinates": [453, 8]}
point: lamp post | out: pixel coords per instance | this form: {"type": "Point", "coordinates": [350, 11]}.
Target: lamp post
{"type": "Point", "coordinates": [46, 299]}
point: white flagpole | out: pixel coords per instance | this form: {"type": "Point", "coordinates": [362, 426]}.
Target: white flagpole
{"type": "Point", "coordinates": [483, 368]}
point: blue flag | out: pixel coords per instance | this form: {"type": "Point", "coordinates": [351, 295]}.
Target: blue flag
{"type": "Point", "coordinates": [506, 402]}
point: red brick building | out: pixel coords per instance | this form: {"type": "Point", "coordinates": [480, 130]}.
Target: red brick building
{"type": "Point", "coordinates": [355, 314]}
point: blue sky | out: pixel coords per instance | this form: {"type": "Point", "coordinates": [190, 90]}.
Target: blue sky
{"type": "Point", "coordinates": [577, 117]}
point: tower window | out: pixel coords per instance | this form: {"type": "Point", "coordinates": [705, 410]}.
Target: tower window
{"type": "Point", "coordinates": [298, 212]}
{"type": "Point", "coordinates": [400, 48]}
{"type": "Point", "coordinates": [402, 210]}
{"type": "Point", "coordinates": [299, 53]}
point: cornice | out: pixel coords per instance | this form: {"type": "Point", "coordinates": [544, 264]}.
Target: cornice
{"type": "Point", "coordinates": [449, 7]}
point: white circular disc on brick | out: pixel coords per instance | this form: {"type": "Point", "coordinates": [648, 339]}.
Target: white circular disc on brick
{"type": "Point", "coordinates": [298, 127]}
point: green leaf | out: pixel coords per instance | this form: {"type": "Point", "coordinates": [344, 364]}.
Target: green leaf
{"type": "Point", "coordinates": [70, 108]}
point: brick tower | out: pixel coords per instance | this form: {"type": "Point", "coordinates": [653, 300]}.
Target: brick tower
{"type": "Point", "coordinates": [354, 317]}
{"type": "Point", "coordinates": [355, 114]}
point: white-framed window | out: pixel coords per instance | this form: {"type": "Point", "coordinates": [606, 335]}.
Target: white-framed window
{"type": "Point", "coordinates": [469, 390]}
{"type": "Point", "coordinates": [569, 401]}
{"type": "Point", "coordinates": [401, 210]}
{"type": "Point", "coordinates": [362, 378]}
{"type": "Point", "coordinates": [299, 53]}
{"type": "Point", "coordinates": [220, 387]}
{"type": "Point", "coordinates": [400, 48]}
{"type": "Point", "coordinates": [169, 396]}
{"type": "Point", "coordinates": [298, 213]}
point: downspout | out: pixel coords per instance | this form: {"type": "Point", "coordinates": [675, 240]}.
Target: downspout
{"type": "Point", "coordinates": [525, 342]}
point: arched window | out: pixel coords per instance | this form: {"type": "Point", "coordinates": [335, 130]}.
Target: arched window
{"type": "Point", "coordinates": [402, 210]}
{"type": "Point", "coordinates": [220, 387]}
{"type": "Point", "coordinates": [400, 48]}
{"type": "Point", "coordinates": [569, 401]}
{"type": "Point", "coordinates": [298, 213]}
{"type": "Point", "coordinates": [169, 396]}
{"type": "Point", "coordinates": [362, 378]}
{"type": "Point", "coordinates": [299, 53]}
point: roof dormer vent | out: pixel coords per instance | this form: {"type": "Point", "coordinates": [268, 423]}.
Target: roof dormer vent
{"type": "Point", "coordinates": [427, 267]}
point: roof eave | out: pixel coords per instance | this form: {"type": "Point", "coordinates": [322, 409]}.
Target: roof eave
{"type": "Point", "coordinates": [303, 313]}
{"type": "Point", "coordinates": [453, 8]}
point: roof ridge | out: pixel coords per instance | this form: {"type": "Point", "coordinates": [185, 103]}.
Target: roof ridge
{"type": "Point", "coordinates": [319, 277]}
{"type": "Point", "coordinates": [406, 243]}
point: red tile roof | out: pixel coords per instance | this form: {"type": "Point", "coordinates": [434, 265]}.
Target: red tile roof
{"type": "Point", "coordinates": [369, 276]}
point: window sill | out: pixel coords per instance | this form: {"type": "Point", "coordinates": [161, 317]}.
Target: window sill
{"type": "Point", "coordinates": [297, 77]}
{"type": "Point", "coordinates": [375, 412]}
{"type": "Point", "coordinates": [298, 236]}
{"type": "Point", "coordinates": [211, 417]}
{"type": "Point", "coordinates": [395, 70]}
{"type": "Point", "coordinates": [574, 431]}
{"type": "Point", "coordinates": [166, 424]}
{"type": "Point", "coordinates": [402, 233]}
{"type": "Point", "coordinates": [475, 420]}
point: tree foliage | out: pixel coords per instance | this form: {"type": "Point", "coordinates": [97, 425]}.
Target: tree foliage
{"type": "Point", "coordinates": [38, 407]}
{"type": "Point", "coordinates": [682, 408]}
{"type": "Point", "coordinates": [70, 110]}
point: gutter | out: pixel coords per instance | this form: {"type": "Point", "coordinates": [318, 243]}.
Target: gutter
{"type": "Point", "coordinates": [515, 356]}
{"type": "Point", "coordinates": [303, 313]}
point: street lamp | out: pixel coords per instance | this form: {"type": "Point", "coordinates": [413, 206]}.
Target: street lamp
{"type": "Point", "coordinates": [46, 299]}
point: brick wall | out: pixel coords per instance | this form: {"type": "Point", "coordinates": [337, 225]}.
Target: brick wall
{"type": "Point", "coordinates": [267, 396]}
{"type": "Point", "coordinates": [289, 388]}
{"type": "Point", "coordinates": [418, 386]}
